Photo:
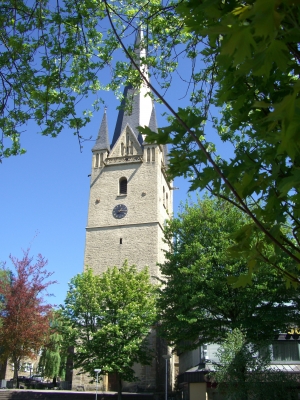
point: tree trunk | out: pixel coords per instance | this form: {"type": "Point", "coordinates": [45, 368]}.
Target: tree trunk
{"type": "Point", "coordinates": [3, 366]}
{"type": "Point", "coordinates": [244, 377]}
{"type": "Point", "coordinates": [119, 386]}
{"type": "Point", "coordinates": [15, 378]}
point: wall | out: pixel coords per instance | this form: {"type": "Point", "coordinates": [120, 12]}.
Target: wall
{"type": "Point", "coordinates": [197, 391]}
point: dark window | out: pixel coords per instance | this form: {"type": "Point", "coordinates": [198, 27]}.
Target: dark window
{"type": "Point", "coordinates": [286, 350]}
{"type": "Point", "coordinates": [153, 154]}
{"type": "Point", "coordinates": [123, 186]}
{"type": "Point", "coordinates": [120, 240]}
{"type": "Point", "coordinates": [97, 161]}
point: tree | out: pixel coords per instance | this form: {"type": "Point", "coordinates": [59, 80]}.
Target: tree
{"type": "Point", "coordinates": [24, 316]}
{"type": "Point", "coordinates": [51, 55]}
{"type": "Point", "coordinates": [246, 71]}
{"type": "Point", "coordinates": [244, 372]}
{"type": "Point", "coordinates": [47, 66]}
{"type": "Point", "coordinates": [111, 315]}
{"type": "Point", "coordinates": [201, 299]}
{"type": "Point", "coordinates": [249, 71]}
{"type": "Point", "coordinates": [242, 69]}
{"type": "Point", "coordinates": [54, 355]}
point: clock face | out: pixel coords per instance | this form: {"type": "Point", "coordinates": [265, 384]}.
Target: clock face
{"type": "Point", "coordinates": [120, 211]}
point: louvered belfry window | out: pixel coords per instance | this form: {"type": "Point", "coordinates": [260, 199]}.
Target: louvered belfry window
{"type": "Point", "coordinates": [123, 186]}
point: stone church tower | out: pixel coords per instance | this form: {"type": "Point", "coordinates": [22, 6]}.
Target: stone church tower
{"type": "Point", "coordinates": [130, 199]}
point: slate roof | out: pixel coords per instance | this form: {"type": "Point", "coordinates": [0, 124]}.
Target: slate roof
{"type": "Point", "coordinates": [128, 117]}
{"type": "Point", "coordinates": [153, 122]}
{"type": "Point", "coordinates": [102, 141]}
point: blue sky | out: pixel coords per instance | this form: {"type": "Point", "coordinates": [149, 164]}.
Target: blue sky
{"type": "Point", "coordinates": [44, 198]}
{"type": "Point", "coordinates": [44, 193]}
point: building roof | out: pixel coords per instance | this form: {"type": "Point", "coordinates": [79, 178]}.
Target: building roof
{"type": "Point", "coordinates": [102, 141]}
{"type": "Point", "coordinates": [139, 106]}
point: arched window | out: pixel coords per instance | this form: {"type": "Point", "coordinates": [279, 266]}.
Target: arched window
{"type": "Point", "coordinates": [101, 159]}
{"type": "Point", "coordinates": [148, 155]}
{"type": "Point", "coordinates": [153, 154]}
{"type": "Point", "coordinates": [97, 161]}
{"type": "Point", "coordinates": [123, 186]}
{"type": "Point", "coordinates": [122, 149]}
{"type": "Point", "coordinates": [131, 147]}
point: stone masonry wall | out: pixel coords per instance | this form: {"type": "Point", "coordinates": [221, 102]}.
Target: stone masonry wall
{"type": "Point", "coordinates": [138, 237]}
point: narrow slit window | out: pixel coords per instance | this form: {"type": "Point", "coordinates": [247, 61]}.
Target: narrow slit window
{"type": "Point", "coordinates": [167, 198]}
{"type": "Point", "coordinates": [164, 196]}
{"type": "Point", "coordinates": [153, 154]}
{"type": "Point", "coordinates": [123, 186]}
{"type": "Point", "coordinates": [120, 240]}
{"type": "Point", "coordinates": [148, 155]}
{"type": "Point", "coordinates": [101, 159]}
{"type": "Point", "coordinates": [127, 145]}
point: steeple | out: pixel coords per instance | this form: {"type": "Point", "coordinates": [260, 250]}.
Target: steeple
{"type": "Point", "coordinates": [153, 126]}
{"type": "Point", "coordinates": [102, 141]}
{"type": "Point", "coordinates": [141, 105]}
{"type": "Point", "coordinates": [153, 123]}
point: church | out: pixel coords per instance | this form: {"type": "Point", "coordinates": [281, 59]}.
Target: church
{"type": "Point", "coordinates": [130, 200]}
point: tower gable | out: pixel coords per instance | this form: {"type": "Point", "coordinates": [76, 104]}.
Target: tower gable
{"type": "Point", "coordinates": [126, 149]}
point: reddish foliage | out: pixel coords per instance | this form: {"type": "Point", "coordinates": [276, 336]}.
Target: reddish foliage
{"type": "Point", "coordinates": [24, 314]}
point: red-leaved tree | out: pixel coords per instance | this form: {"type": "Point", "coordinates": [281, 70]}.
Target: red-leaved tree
{"type": "Point", "coordinates": [24, 315]}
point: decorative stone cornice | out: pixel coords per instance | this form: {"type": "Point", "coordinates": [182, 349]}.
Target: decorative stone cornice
{"type": "Point", "coordinates": [136, 158]}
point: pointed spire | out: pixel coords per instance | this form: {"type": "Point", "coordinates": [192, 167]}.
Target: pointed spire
{"type": "Point", "coordinates": [153, 123]}
{"type": "Point", "coordinates": [102, 141]}
{"type": "Point", "coordinates": [141, 104]}
{"type": "Point", "coordinates": [139, 49]}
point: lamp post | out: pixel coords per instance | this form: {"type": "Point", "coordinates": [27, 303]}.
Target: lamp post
{"type": "Point", "coordinates": [167, 357]}
{"type": "Point", "coordinates": [97, 370]}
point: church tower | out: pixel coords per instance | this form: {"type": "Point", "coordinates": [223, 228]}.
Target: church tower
{"type": "Point", "coordinates": [130, 198]}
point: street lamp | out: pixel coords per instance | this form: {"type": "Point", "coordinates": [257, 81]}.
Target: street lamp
{"type": "Point", "coordinates": [97, 370]}
{"type": "Point", "coordinates": [167, 357]}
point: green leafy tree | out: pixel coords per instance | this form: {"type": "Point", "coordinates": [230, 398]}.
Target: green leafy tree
{"type": "Point", "coordinates": [244, 372]}
{"type": "Point", "coordinates": [242, 81]}
{"type": "Point", "coordinates": [46, 66]}
{"type": "Point", "coordinates": [54, 355]}
{"type": "Point", "coordinates": [201, 299]}
{"type": "Point", "coordinates": [51, 58]}
{"type": "Point", "coordinates": [243, 84]}
{"type": "Point", "coordinates": [111, 316]}
{"type": "Point", "coordinates": [248, 61]}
